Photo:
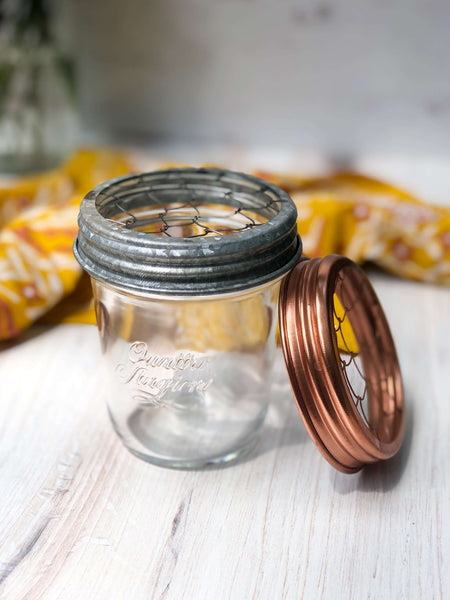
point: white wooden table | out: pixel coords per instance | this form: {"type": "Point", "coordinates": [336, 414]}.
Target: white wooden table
{"type": "Point", "coordinates": [81, 518]}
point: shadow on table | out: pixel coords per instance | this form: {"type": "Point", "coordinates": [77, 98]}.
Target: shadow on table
{"type": "Point", "coordinates": [382, 476]}
{"type": "Point", "coordinates": [284, 427]}
{"type": "Point", "coordinates": [288, 430]}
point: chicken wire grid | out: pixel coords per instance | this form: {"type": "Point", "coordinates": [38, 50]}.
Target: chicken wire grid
{"type": "Point", "coordinates": [352, 367]}
{"type": "Point", "coordinates": [359, 384]}
{"type": "Point", "coordinates": [187, 232]}
{"type": "Point", "coordinates": [184, 204]}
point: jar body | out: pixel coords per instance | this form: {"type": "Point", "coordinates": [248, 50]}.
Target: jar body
{"type": "Point", "coordinates": [189, 378]}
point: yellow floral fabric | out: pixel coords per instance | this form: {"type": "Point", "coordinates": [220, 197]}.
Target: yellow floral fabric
{"type": "Point", "coordinates": [368, 220]}
{"type": "Point", "coordinates": [223, 325]}
{"type": "Point", "coordinates": [38, 223]}
{"type": "Point", "coordinates": [36, 265]}
{"type": "Point", "coordinates": [345, 213]}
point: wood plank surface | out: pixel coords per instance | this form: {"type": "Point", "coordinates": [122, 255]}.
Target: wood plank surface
{"type": "Point", "coordinates": [81, 518]}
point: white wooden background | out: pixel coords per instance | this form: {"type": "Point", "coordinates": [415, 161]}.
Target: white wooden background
{"type": "Point", "coordinates": [82, 519]}
{"type": "Point", "coordinates": [339, 76]}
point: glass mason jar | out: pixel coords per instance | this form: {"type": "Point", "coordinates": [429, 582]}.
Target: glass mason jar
{"type": "Point", "coordinates": [190, 270]}
{"type": "Point", "coordinates": [186, 266]}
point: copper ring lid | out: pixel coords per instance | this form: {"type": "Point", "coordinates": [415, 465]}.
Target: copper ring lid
{"type": "Point", "coordinates": [351, 429]}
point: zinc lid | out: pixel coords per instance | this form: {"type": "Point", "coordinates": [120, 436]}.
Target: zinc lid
{"type": "Point", "coordinates": [187, 232]}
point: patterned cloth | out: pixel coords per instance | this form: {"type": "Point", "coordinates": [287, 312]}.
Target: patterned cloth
{"type": "Point", "coordinates": [38, 223]}
{"type": "Point", "coordinates": [368, 220]}
{"type": "Point", "coordinates": [345, 213]}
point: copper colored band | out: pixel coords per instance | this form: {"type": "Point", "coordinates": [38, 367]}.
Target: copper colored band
{"type": "Point", "coordinates": [317, 377]}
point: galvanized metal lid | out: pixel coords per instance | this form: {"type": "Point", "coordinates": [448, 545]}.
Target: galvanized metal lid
{"type": "Point", "coordinates": [187, 232]}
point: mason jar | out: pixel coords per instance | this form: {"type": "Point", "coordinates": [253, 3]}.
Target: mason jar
{"type": "Point", "coordinates": [186, 266]}
{"type": "Point", "coordinates": [190, 269]}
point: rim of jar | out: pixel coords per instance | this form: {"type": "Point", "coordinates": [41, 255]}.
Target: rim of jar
{"type": "Point", "coordinates": [142, 262]}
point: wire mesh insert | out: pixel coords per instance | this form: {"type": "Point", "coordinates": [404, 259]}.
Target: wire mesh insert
{"type": "Point", "coordinates": [358, 383]}
{"type": "Point", "coordinates": [189, 204]}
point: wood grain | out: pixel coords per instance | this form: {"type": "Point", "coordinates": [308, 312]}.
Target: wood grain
{"type": "Point", "coordinates": [81, 518]}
